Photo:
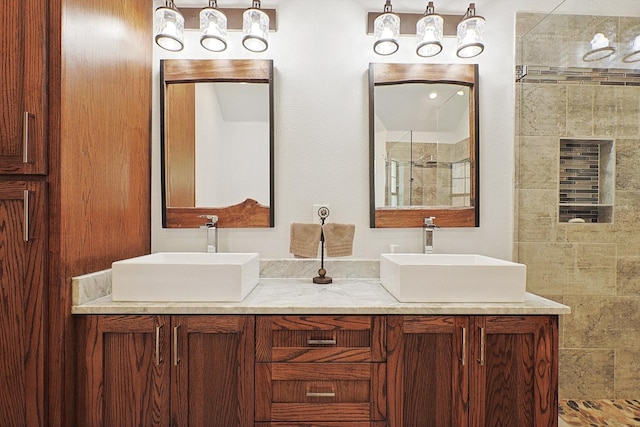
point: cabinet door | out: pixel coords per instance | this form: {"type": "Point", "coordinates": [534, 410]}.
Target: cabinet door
{"type": "Point", "coordinates": [22, 276]}
{"type": "Point", "coordinates": [514, 379]}
{"type": "Point", "coordinates": [22, 87]}
{"type": "Point", "coordinates": [124, 377]}
{"type": "Point", "coordinates": [427, 368]}
{"type": "Point", "coordinates": [212, 371]}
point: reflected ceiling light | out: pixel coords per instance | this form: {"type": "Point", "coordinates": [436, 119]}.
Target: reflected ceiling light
{"type": "Point", "coordinates": [386, 31]}
{"type": "Point", "coordinates": [634, 55]}
{"type": "Point", "coordinates": [429, 33]}
{"type": "Point", "coordinates": [169, 27]}
{"type": "Point", "coordinates": [433, 95]}
{"type": "Point", "coordinates": [255, 28]}
{"type": "Point", "coordinates": [470, 32]}
{"type": "Point", "coordinates": [213, 28]}
{"type": "Point", "coordinates": [600, 49]}
{"type": "Point", "coordinates": [460, 92]}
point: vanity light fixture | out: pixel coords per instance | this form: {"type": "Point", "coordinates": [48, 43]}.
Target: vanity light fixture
{"type": "Point", "coordinates": [470, 32]}
{"type": "Point", "coordinates": [600, 48]}
{"type": "Point", "coordinates": [386, 31]}
{"type": "Point", "coordinates": [634, 55]}
{"type": "Point", "coordinates": [429, 28]}
{"type": "Point", "coordinates": [169, 27]}
{"type": "Point", "coordinates": [429, 33]}
{"type": "Point", "coordinates": [213, 28]}
{"type": "Point", "coordinates": [255, 28]}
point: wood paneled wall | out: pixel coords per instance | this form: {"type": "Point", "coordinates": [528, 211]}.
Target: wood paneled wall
{"type": "Point", "coordinates": [100, 59]}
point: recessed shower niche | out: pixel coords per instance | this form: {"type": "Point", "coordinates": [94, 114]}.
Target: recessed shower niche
{"type": "Point", "coordinates": [587, 171]}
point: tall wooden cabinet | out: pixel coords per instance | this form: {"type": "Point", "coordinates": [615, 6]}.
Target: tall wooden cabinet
{"type": "Point", "coordinates": [472, 371]}
{"type": "Point", "coordinates": [22, 310]}
{"type": "Point", "coordinates": [23, 97]}
{"type": "Point", "coordinates": [166, 371]}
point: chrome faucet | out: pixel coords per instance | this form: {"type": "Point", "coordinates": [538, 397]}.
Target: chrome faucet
{"type": "Point", "coordinates": [212, 232]}
{"type": "Point", "coordinates": [428, 228]}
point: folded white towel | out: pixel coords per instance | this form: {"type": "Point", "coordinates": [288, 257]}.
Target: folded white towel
{"type": "Point", "coordinates": [338, 238]}
{"type": "Point", "coordinates": [304, 240]}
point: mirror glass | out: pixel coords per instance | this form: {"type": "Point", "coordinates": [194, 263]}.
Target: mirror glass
{"type": "Point", "coordinates": [423, 145]}
{"type": "Point", "coordinates": [217, 142]}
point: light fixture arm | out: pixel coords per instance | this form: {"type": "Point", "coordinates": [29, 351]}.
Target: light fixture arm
{"type": "Point", "coordinates": [430, 9]}
{"type": "Point", "coordinates": [213, 4]}
{"type": "Point", "coordinates": [471, 11]}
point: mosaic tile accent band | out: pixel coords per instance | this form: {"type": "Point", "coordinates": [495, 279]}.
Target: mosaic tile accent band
{"type": "Point", "coordinates": [577, 75]}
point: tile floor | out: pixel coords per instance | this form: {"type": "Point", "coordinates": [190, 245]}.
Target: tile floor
{"type": "Point", "coordinates": [596, 413]}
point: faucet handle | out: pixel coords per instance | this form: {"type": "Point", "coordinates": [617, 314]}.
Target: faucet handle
{"type": "Point", "coordinates": [213, 219]}
{"type": "Point", "coordinates": [428, 221]}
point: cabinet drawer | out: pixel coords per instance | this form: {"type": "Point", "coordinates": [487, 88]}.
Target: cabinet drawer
{"type": "Point", "coordinates": [320, 392]}
{"type": "Point", "coordinates": [320, 339]}
{"type": "Point", "coordinates": [326, 424]}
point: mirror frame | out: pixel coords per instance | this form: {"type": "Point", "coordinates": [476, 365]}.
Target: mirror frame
{"type": "Point", "coordinates": [460, 74]}
{"type": "Point", "coordinates": [247, 214]}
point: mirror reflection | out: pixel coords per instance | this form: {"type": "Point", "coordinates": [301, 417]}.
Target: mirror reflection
{"type": "Point", "coordinates": [426, 156]}
{"type": "Point", "coordinates": [217, 142]}
{"type": "Point", "coordinates": [423, 144]}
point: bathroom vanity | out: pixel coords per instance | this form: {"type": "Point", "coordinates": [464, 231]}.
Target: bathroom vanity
{"type": "Point", "coordinates": [294, 353]}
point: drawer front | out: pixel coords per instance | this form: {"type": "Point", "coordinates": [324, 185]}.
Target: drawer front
{"type": "Point", "coordinates": [304, 339]}
{"type": "Point", "coordinates": [326, 424]}
{"type": "Point", "coordinates": [320, 392]}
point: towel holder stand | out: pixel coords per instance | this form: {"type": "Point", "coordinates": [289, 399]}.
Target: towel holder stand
{"type": "Point", "coordinates": [322, 278]}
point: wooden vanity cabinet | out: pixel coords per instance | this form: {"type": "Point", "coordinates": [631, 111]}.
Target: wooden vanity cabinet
{"type": "Point", "coordinates": [327, 371]}
{"type": "Point", "coordinates": [472, 371]}
{"type": "Point", "coordinates": [23, 97]}
{"type": "Point", "coordinates": [166, 371]}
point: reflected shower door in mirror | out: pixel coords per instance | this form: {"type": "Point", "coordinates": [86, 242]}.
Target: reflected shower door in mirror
{"type": "Point", "coordinates": [423, 145]}
{"type": "Point", "coordinates": [217, 142]}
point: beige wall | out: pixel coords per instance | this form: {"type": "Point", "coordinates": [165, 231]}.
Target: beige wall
{"type": "Point", "coordinates": [593, 268]}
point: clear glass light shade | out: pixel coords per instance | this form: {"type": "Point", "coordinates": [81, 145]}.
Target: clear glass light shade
{"type": "Point", "coordinates": [634, 54]}
{"type": "Point", "coordinates": [470, 37]}
{"type": "Point", "coordinates": [255, 30]}
{"type": "Point", "coordinates": [429, 35]}
{"type": "Point", "coordinates": [213, 29]}
{"type": "Point", "coordinates": [169, 29]}
{"type": "Point", "coordinates": [386, 30]}
{"type": "Point", "coordinates": [600, 49]}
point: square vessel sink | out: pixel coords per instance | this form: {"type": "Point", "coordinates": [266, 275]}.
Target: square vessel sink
{"type": "Point", "coordinates": [452, 278]}
{"type": "Point", "coordinates": [185, 276]}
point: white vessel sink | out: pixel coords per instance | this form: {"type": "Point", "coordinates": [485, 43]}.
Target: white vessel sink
{"type": "Point", "coordinates": [452, 278]}
{"type": "Point", "coordinates": [185, 276]}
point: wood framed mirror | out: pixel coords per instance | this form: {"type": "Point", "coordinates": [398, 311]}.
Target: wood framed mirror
{"type": "Point", "coordinates": [423, 145]}
{"type": "Point", "coordinates": [217, 142]}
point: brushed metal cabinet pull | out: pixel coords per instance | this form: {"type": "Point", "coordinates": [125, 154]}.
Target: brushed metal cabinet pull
{"type": "Point", "coordinates": [321, 342]}
{"type": "Point", "coordinates": [318, 394]}
{"type": "Point", "coordinates": [26, 215]}
{"type": "Point", "coordinates": [176, 358]}
{"type": "Point", "coordinates": [158, 361]}
{"type": "Point", "coordinates": [464, 346]}
{"type": "Point", "coordinates": [25, 137]}
{"type": "Point", "coordinates": [482, 335]}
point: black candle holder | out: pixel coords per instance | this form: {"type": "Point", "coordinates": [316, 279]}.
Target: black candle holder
{"type": "Point", "coordinates": [322, 278]}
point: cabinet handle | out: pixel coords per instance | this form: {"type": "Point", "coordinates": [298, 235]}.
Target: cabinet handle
{"type": "Point", "coordinates": [158, 361]}
{"type": "Point", "coordinates": [25, 197]}
{"type": "Point", "coordinates": [464, 346]}
{"type": "Point", "coordinates": [482, 335]}
{"type": "Point", "coordinates": [318, 394]}
{"type": "Point", "coordinates": [321, 342]}
{"type": "Point", "coordinates": [25, 137]}
{"type": "Point", "coordinates": [176, 358]}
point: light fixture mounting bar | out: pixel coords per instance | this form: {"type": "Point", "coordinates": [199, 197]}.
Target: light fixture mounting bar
{"type": "Point", "coordinates": [234, 18]}
{"type": "Point", "coordinates": [408, 23]}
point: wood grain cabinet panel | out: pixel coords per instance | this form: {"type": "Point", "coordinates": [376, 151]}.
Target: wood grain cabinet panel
{"type": "Point", "coordinates": [472, 371]}
{"type": "Point", "coordinates": [22, 87]}
{"type": "Point", "coordinates": [23, 246]}
{"type": "Point", "coordinates": [166, 371]}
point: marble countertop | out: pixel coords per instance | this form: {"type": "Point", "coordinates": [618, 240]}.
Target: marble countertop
{"type": "Point", "coordinates": [91, 295]}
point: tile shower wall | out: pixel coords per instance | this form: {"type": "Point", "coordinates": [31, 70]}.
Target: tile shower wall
{"type": "Point", "coordinates": [593, 268]}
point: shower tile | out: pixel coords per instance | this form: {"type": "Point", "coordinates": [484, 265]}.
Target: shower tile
{"type": "Point", "coordinates": [538, 160]}
{"type": "Point", "coordinates": [627, 159]}
{"type": "Point", "coordinates": [548, 265]}
{"type": "Point", "coordinates": [604, 111]}
{"type": "Point", "coordinates": [545, 111]}
{"type": "Point", "coordinates": [586, 373]}
{"type": "Point", "coordinates": [537, 216]}
{"type": "Point", "coordinates": [628, 111]}
{"type": "Point", "coordinates": [627, 373]}
{"type": "Point", "coordinates": [628, 276]}
{"type": "Point", "coordinates": [580, 110]}
{"type": "Point", "coordinates": [595, 270]}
